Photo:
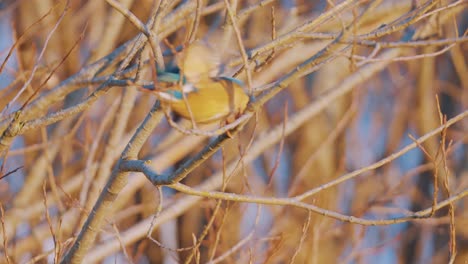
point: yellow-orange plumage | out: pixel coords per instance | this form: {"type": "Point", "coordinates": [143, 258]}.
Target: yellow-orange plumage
{"type": "Point", "coordinates": [204, 98]}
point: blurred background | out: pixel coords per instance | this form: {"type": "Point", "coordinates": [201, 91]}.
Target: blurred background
{"type": "Point", "coordinates": [364, 80]}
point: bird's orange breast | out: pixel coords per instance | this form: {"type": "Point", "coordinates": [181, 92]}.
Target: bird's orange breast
{"type": "Point", "coordinates": [212, 101]}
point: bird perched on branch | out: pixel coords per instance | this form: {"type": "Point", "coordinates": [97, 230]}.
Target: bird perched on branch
{"type": "Point", "coordinates": [200, 95]}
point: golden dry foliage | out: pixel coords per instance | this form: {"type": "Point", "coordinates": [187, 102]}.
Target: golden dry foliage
{"type": "Point", "coordinates": [353, 148]}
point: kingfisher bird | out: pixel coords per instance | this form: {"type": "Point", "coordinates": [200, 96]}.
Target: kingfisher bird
{"type": "Point", "coordinates": [201, 95]}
